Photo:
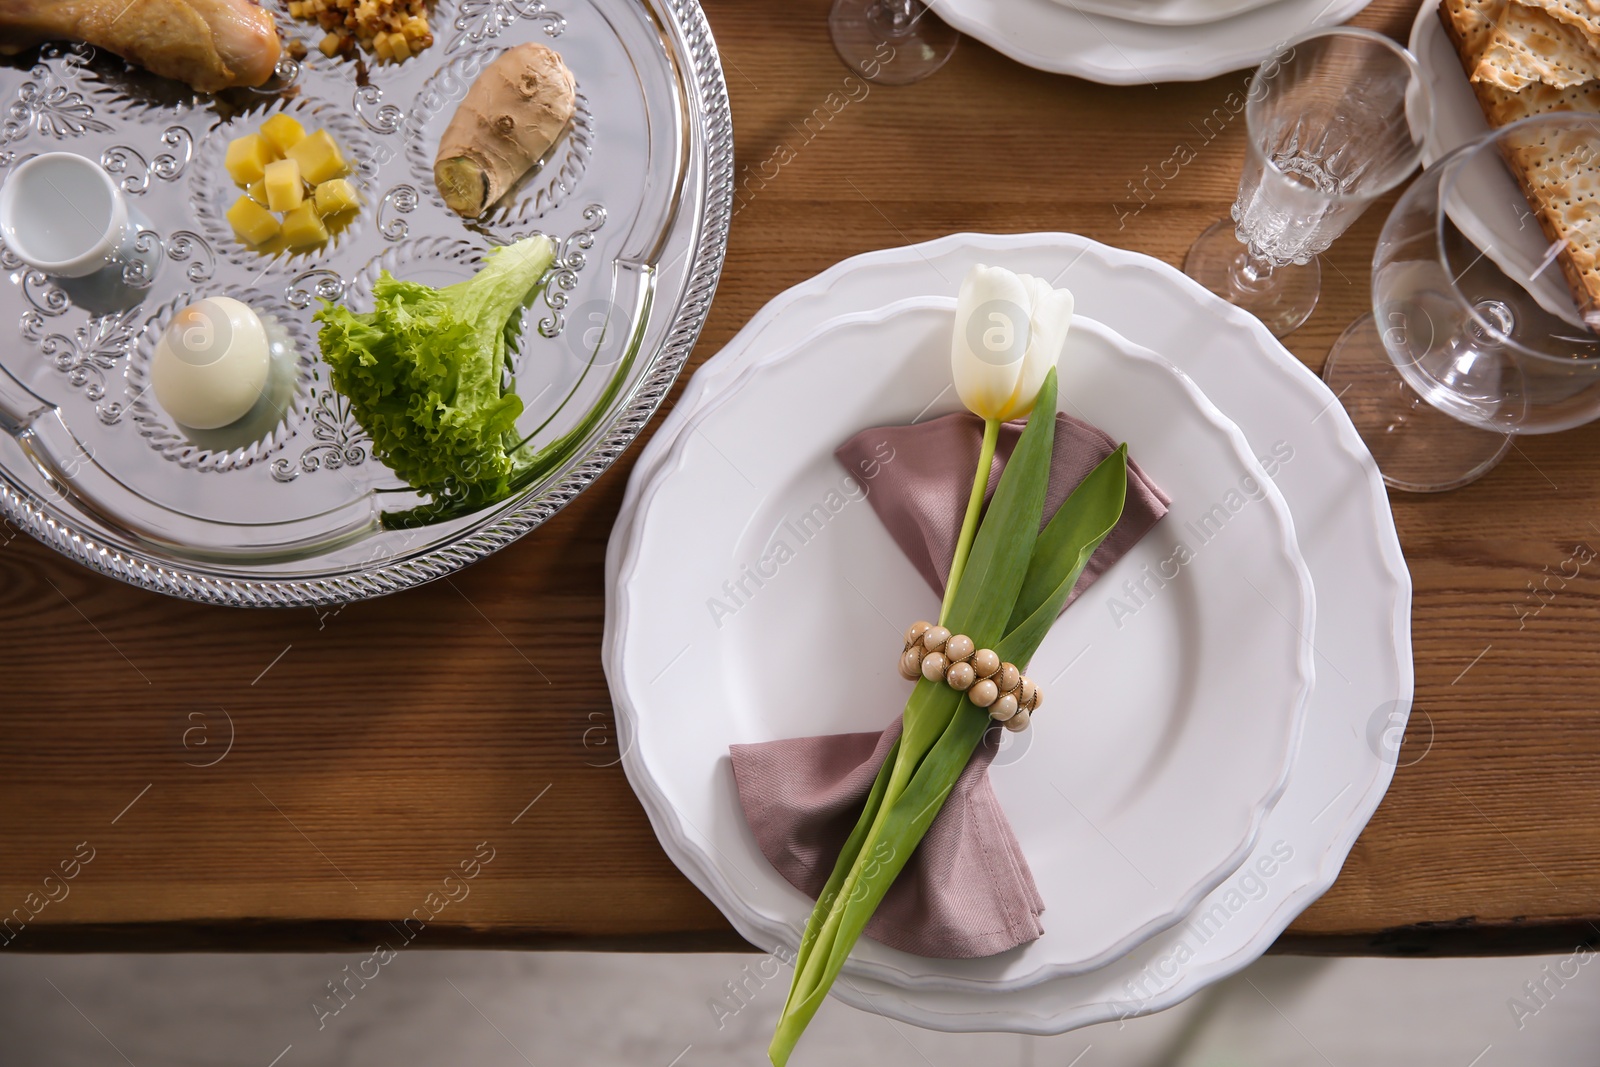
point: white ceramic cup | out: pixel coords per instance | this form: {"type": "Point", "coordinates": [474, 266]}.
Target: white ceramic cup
{"type": "Point", "coordinates": [63, 214]}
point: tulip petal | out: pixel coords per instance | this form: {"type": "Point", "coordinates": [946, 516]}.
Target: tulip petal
{"type": "Point", "coordinates": [990, 343]}
{"type": "Point", "coordinates": [1050, 316]}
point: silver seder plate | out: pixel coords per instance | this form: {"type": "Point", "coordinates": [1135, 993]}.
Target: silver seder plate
{"type": "Point", "coordinates": [636, 196]}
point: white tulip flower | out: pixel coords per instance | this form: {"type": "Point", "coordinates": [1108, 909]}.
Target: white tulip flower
{"type": "Point", "coordinates": [1009, 332]}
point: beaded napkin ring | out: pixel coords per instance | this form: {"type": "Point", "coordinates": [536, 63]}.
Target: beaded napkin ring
{"type": "Point", "coordinates": [934, 653]}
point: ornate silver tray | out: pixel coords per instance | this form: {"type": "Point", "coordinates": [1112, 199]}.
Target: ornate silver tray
{"type": "Point", "coordinates": [636, 196]}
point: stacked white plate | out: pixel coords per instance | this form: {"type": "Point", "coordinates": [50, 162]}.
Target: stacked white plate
{"type": "Point", "coordinates": [1137, 42]}
{"type": "Point", "coordinates": [1222, 719]}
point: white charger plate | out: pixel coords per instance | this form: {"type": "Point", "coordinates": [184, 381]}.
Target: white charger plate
{"type": "Point", "coordinates": [1362, 637]}
{"type": "Point", "coordinates": [1166, 12]}
{"type": "Point", "coordinates": [1131, 51]}
{"type": "Point", "coordinates": [1178, 720]}
{"type": "Point", "coordinates": [1488, 208]}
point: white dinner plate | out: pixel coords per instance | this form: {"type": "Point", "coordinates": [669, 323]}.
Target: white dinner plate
{"type": "Point", "coordinates": [1488, 208]}
{"type": "Point", "coordinates": [1358, 706]}
{"type": "Point", "coordinates": [1183, 696]}
{"type": "Point", "coordinates": [1126, 51]}
{"type": "Point", "coordinates": [1166, 12]}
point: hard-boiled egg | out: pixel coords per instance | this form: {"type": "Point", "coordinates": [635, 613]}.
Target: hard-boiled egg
{"type": "Point", "coordinates": [211, 364]}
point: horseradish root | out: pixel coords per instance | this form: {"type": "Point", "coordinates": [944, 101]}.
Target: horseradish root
{"type": "Point", "coordinates": [511, 116]}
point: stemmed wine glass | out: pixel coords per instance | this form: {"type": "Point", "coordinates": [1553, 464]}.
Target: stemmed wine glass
{"type": "Point", "coordinates": [892, 42]}
{"type": "Point", "coordinates": [1335, 119]}
{"type": "Point", "coordinates": [1476, 334]}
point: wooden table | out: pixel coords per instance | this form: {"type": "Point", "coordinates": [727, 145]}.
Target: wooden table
{"type": "Point", "coordinates": [378, 748]}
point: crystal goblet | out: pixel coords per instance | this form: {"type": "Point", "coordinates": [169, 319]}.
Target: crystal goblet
{"type": "Point", "coordinates": [891, 42]}
{"type": "Point", "coordinates": [1336, 118]}
{"type": "Point", "coordinates": [1476, 333]}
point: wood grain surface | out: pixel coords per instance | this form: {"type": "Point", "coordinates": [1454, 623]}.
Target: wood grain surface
{"type": "Point", "coordinates": [378, 748]}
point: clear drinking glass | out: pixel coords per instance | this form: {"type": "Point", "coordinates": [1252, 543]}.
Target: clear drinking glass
{"type": "Point", "coordinates": [1476, 334]}
{"type": "Point", "coordinates": [892, 42]}
{"type": "Point", "coordinates": [1336, 118]}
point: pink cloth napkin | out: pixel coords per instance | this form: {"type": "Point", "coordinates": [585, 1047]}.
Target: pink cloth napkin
{"type": "Point", "coordinates": [920, 494]}
{"type": "Point", "coordinates": [967, 891]}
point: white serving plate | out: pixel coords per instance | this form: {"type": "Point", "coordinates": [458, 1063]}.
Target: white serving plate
{"type": "Point", "coordinates": [1361, 701]}
{"type": "Point", "coordinates": [1131, 51]}
{"type": "Point", "coordinates": [1488, 208]}
{"type": "Point", "coordinates": [1166, 12]}
{"type": "Point", "coordinates": [1178, 720]}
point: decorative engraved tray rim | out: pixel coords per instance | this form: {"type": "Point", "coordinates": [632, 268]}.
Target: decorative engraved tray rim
{"type": "Point", "coordinates": [710, 122]}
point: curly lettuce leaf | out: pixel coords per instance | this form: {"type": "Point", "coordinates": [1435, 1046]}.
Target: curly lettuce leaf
{"type": "Point", "coordinates": [423, 372]}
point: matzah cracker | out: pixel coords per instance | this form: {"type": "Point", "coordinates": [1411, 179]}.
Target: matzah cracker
{"type": "Point", "coordinates": [1561, 177]}
{"type": "Point", "coordinates": [1469, 24]}
{"type": "Point", "coordinates": [1560, 182]}
{"type": "Point", "coordinates": [1502, 108]}
{"type": "Point", "coordinates": [1575, 13]}
{"type": "Point", "coordinates": [1529, 46]}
